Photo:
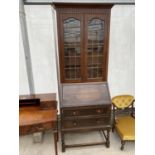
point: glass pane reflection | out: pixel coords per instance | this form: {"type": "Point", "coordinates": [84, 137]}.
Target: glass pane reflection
{"type": "Point", "coordinates": [95, 48]}
{"type": "Point", "coordinates": [72, 51]}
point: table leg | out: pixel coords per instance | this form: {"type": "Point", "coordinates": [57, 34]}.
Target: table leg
{"type": "Point", "coordinates": [55, 142]}
{"type": "Point", "coordinates": [57, 136]}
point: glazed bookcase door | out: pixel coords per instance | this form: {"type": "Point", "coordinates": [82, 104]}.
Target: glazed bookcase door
{"type": "Point", "coordinates": [71, 48]}
{"type": "Point", "coordinates": [83, 46]}
{"type": "Point", "coordinates": [95, 47]}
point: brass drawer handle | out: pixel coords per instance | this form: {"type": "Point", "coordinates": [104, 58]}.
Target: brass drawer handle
{"type": "Point", "coordinates": [99, 111]}
{"type": "Point", "coordinates": [74, 123]}
{"type": "Point", "coordinates": [75, 112]}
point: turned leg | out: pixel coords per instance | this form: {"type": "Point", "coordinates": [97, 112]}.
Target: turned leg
{"type": "Point", "coordinates": [122, 145]}
{"type": "Point", "coordinates": [108, 139]}
{"type": "Point", "coordinates": [113, 119]}
{"type": "Point", "coordinates": [62, 142]}
{"type": "Point", "coordinates": [113, 128]}
{"type": "Point", "coordinates": [55, 142]}
{"type": "Point", "coordinates": [57, 136]}
{"type": "Point", "coordinates": [57, 129]}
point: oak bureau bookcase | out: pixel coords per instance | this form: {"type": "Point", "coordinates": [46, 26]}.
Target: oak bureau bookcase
{"type": "Point", "coordinates": [83, 42]}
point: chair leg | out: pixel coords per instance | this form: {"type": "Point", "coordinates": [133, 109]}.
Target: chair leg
{"type": "Point", "coordinates": [122, 145]}
{"type": "Point", "coordinates": [55, 142]}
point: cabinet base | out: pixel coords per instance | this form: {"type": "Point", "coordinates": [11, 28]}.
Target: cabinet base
{"type": "Point", "coordinates": [106, 142]}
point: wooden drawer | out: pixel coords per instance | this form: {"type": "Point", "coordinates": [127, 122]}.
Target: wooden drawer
{"type": "Point", "coordinates": [86, 111]}
{"type": "Point", "coordinates": [86, 122]}
{"type": "Point", "coordinates": [48, 105]}
{"type": "Point", "coordinates": [34, 128]}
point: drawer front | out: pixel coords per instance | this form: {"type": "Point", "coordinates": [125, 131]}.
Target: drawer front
{"type": "Point", "coordinates": [48, 105]}
{"type": "Point", "coordinates": [86, 122]}
{"type": "Point", "coordinates": [34, 128]}
{"type": "Point", "coordinates": [86, 111]}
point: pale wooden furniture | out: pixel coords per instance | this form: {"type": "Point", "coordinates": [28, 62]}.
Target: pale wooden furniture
{"type": "Point", "coordinates": [37, 113]}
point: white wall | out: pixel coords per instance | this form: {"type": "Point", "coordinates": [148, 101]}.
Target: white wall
{"type": "Point", "coordinates": [122, 50]}
{"type": "Point", "coordinates": [121, 56]}
{"type": "Point", "coordinates": [41, 40]}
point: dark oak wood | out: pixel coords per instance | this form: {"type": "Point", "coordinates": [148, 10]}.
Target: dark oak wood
{"type": "Point", "coordinates": [85, 107]}
{"type": "Point", "coordinates": [85, 94]}
{"type": "Point", "coordinates": [86, 111]}
{"type": "Point", "coordinates": [37, 113]}
{"type": "Point", "coordinates": [85, 102]}
{"type": "Point", "coordinates": [84, 14]}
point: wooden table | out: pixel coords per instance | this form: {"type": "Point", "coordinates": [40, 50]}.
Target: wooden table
{"type": "Point", "coordinates": [32, 118]}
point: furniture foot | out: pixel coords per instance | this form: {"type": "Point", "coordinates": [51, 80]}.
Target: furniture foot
{"type": "Point", "coordinates": [55, 142]}
{"type": "Point", "coordinates": [108, 139]}
{"type": "Point", "coordinates": [122, 145]}
{"type": "Point", "coordinates": [62, 142]}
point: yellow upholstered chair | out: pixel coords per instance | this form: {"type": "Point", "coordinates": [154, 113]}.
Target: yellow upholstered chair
{"type": "Point", "coordinates": [124, 120]}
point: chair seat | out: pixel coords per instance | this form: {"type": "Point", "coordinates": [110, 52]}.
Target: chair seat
{"type": "Point", "coordinates": [125, 127]}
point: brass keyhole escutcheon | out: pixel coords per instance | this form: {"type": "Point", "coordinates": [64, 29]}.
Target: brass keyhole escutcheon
{"type": "Point", "coordinates": [74, 113]}
{"type": "Point", "coordinates": [99, 111]}
{"type": "Point", "coordinates": [75, 123]}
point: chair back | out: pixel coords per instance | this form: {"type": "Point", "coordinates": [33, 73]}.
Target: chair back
{"type": "Point", "coordinates": [122, 101]}
{"type": "Point", "coordinates": [123, 105]}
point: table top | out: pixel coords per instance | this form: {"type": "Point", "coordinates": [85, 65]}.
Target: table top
{"type": "Point", "coordinates": [33, 115]}
{"type": "Point", "coordinates": [42, 97]}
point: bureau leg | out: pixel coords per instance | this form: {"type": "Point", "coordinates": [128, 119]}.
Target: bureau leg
{"type": "Point", "coordinates": [108, 139]}
{"type": "Point", "coordinates": [113, 128]}
{"type": "Point", "coordinates": [55, 142]}
{"type": "Point", "coordinates": [62, 142]}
